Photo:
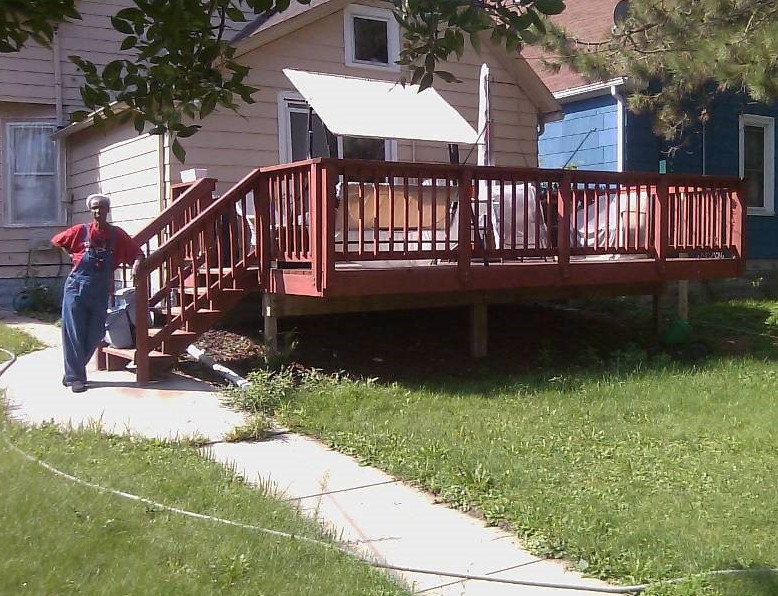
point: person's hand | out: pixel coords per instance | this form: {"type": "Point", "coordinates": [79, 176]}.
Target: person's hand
{"type": "Point", "coordinates": [136, 265]}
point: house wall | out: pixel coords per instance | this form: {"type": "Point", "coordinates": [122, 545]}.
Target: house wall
{"type": "Point", "coordinates": [121, 164]}
{"type": "Point", "coordinates": [230, 146]}
{"type": "Point", "coordinates": [586, 138]}
{"type": "Point", "coordinates": [28, 76]}
{"type": "Point", "coordinates": [28, 92]}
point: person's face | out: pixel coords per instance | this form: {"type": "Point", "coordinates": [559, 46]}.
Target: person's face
{"type": "Point", "coordinates": [99, 212]}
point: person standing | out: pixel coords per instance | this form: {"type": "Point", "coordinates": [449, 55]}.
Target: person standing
{"type": "Point", "coordinates": [96, 249]}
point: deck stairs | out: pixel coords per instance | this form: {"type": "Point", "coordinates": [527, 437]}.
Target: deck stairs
{"type": "Point", "coordinates": [200, 264]}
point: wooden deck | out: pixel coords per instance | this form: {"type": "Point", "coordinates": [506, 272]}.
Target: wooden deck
{"type": "Point", "coordinates": [328, 235]}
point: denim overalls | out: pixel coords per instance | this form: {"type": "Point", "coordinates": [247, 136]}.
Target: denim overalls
{"type": "Point", "coordinates": [84, 306]}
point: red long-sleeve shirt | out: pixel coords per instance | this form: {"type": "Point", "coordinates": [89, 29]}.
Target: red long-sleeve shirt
{"type": "Point", "coordinates": [124, 248]}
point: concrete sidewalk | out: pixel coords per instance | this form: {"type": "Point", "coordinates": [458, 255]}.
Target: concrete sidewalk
{"type": "Point", "coordinates": [386, 520]}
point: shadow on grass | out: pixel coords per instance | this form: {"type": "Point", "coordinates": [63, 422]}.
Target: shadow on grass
{"type": "Point", "coordinates": [752, 582]}
{"type": "Point", "coordinates": [530, 343]}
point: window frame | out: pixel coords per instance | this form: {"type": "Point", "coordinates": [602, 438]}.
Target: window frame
{"type": "Point", "coordinates": [392, 36]}
{"type": "Point", "coordinates": [767, 124]}
{"type": "Point", "coordinates": [285, 99]}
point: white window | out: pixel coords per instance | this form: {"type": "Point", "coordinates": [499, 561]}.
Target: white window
{"type": "Point", "coordinates": [293, 128]}
{"type": "Point", "coordinates": [372, 37]}
{"type": "Point", "coordinates": [757, 162]}
{"type": "Point", "coordinates": [32, 180]}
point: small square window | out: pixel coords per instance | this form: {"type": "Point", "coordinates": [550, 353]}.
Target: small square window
{"type": "Point", "coordinates": [370, 41]}
{"type": "Point", "coordinates": [372, 37]}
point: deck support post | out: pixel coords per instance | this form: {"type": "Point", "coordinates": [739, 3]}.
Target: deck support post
{"type": "Point", "coordinates": [683, 299]}
{"type": "Point", "coordinates": [270, 320]}
{"type": "Point", "coordinates": [479, 322]}
{"type": "Point", "coordinates": [656, 311]}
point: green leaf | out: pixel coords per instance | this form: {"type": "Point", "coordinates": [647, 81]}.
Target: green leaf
{"type": "Point", "coordinates": [178, 151]}
{"type": "Point", "coordinates": [208, 105]}
{"type": "Point", "coordinates": [475, 41]}
{"type": "Point", "coordinates": [129, 42]}
{"type": "Point", "coordinates": [447, 76]}
{"type": "Point", "coordinates": [550, 7]}
{"type": "Point", "coordinates": [122, 26]}
{"type": "Point", "coordinates": [139, 122]}
{"type": "Point", "coordinates": [132, 14]}
{"type": "Point", "coordinates": [429, 63]}
{"type": "Point", "coordinates": [112, 70]}
{"type": "Point", "coordinates": [426, 82]}
{"type": "Point", "coordinates": [235, 14]}
{"type": "Point", "coordinates": [188, 131]}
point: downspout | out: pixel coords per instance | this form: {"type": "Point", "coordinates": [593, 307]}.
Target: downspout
{"type": "Point", "coordinates": [619, 127]}
{"type": "Point", "coordinates": [58, 95]}
{"type": "Point", "coordinates": [161, 163]}
{"type": "Point", "coordinates": [59, 107]}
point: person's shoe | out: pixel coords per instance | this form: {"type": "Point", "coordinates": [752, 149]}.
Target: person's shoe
{"type": "Point", "coordinates": [66, 383]}
{"type": "Point", "coordinates": [78, 386]}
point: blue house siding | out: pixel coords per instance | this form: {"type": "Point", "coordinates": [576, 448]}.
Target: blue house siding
{"type": "Point", "coordinates": [587, 137]}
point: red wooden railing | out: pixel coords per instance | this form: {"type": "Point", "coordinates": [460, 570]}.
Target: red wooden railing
{"type": "Point", "coordinates": [380, 211]}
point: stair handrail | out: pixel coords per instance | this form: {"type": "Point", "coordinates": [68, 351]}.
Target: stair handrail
{"type": "Point", "coordinates": [186, 231]}
{"type": "Point", "coordinates": [168, 249]}
{"type": "Point", "coordinates": [187, 199]}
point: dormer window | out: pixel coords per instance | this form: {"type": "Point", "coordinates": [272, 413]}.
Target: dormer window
{"type": "Point", "coordinates": [372, 37]}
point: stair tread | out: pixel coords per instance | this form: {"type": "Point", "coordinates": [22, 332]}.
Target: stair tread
{"type": "Point", "coordinates": [176, 332]}
{"type": "Point", "coordinates": [203, 291]}
{"type": "Point", "coordinates": [129, 353]}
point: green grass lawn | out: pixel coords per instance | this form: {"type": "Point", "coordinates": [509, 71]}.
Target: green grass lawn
{"type": "Point", "coordinates": [17, 342]}
{"type": "Point", "coordinates": [633, 465]}
{"type": "Point", "coordinates": [59, 537]}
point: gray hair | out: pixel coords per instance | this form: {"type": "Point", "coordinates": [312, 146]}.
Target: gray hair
{"type": "Point", "coordinates": [101, 200]}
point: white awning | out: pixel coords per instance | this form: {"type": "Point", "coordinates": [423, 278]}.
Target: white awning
{"type": "Point", "coordinates": [359, 107]}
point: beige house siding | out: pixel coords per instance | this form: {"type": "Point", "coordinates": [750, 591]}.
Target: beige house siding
{"type": "Point", "coordinates": [28, 76]}
{"type": "Point", "coordinates": [121, 164]}
{"type": "Point", "coordinates": [230, 146]}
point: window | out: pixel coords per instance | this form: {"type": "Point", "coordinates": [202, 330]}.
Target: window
{"type": "Point", "coordinates": [372, 37]}
{"type": "Point", "coordinates": [32, 181]}
{"type": "Point", "coordinates": [293, 141]}
{"type": "Point", "coordinates": [757, 162]}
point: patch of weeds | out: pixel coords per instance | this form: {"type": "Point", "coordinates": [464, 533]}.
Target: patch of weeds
{"type": "Point", "coordinates": [278, 359]}
{"type": "Point", "coordinates": [265, 394]}
{"type": "Point", "coordinates": [195, 441]}
{"type": "Point", "coordinates": [255, 428]}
